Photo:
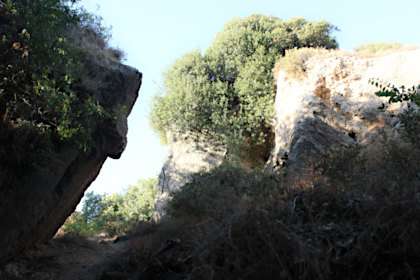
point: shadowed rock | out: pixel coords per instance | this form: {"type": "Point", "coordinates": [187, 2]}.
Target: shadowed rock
{"type": "Point", "coordinates": [187, 155]}
{"type": "Point", "coordinates": [32, 213]}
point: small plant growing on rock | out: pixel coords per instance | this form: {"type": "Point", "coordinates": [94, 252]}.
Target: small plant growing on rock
{"type": "Point", "coordinates": [410, 118]}
{"type": "Point", "coordinates": [397, 94]}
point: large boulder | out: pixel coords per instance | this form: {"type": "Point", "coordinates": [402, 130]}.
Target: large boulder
{"type": "Point", "coordinates": [333, 104]}
{"type": "Point", "coordinates": [32, 213]}
{"type": "Point", "coordinates": [187, 154]}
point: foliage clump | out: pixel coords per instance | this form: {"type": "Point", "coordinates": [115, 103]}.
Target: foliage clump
{"type": "Point", "coordinates": [228, 92]}
{"type": "Point", "coordinates": [410, 118]}
{"type": "Point", "coordinates": [114, 214]}
{"type": "Point", "coordinates": [39, 65]}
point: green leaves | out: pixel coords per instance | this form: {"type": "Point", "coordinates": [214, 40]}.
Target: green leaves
{"type": "Point", "coordinates": [410, 118]}
{"type": "Point", "coordinates": [115, 214]}
{"type": "Point", "coordinates": [228, 92]}
{"type": "Point", "coordinates": [396, 94]}
{"type": "Point", "coordinates": [39, 66]}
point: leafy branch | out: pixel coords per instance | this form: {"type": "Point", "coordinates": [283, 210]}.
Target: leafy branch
{"type": "Point", "coordinates": [396, 94]}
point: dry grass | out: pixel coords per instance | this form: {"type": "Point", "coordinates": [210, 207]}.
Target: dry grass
{"type": "Point", "coordinates": [95, 46]}
{"type": "Point", "coordinates": [369, 53]}
{"type": "Point", "coordinates": [294, 61]}
{"type": "Point", "coordinates": [382, 49]}
{"type": "Point", "coordinates": [355, 216]}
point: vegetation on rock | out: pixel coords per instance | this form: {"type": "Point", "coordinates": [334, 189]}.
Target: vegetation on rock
{"type": "Point", "coordinates": [293, 62]}
{"type": "Point", "coordinates": [39, 65]}
{"type": "Point", "coordinates": [410, 118]}
{"type": "Point", "coordinates": [228, 92]}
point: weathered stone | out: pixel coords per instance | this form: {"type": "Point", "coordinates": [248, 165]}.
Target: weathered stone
{"type": "Point", "coordinates": [33, 213]}
{"type": "Point", "coordinates": [334, 105]}
{"type": "Point", "coordinates": [187, 155]}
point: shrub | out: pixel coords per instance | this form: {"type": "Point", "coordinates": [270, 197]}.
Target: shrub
{"type": "Point", "coordinates": [221, 192]}
{"type": "Point", "coordinates": [293, 62]}
{"type": "Point", "coordinates": [76, 223]}
{"type": "Point", "coordinates": [410, 118]}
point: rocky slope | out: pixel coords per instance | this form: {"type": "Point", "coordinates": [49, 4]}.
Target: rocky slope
{"type": "Point", "coordinates": [333, 104]}
{"type": "Point", "coordinates": [34, 212]}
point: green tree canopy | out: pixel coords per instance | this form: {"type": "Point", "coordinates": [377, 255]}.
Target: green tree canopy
{"type": "Point", "coordinates": [115, 214]}
{"type": "Point", "coordinates": [228, 92]}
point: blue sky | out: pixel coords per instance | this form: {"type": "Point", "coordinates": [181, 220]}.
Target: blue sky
{"type": "Point", "coordinates": [154, 33]}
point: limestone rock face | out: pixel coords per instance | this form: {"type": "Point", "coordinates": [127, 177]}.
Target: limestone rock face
{"type": "Point", "coordinates": [33, 213]}
{"type": "Point", "coordinates": [187, 155]}
{"type": "Point", "coordinates": [333, 104]}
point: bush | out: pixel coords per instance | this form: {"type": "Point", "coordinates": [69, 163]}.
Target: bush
{"type": "Point", "coordinates": [293, 62]}
{"type": "Point", "coordinates": [228, 92]}
{"type": "Point", "coordinates": [214, 193]}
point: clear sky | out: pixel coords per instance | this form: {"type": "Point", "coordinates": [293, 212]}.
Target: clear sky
{"type": "Point", "coordinates": [153, 33]}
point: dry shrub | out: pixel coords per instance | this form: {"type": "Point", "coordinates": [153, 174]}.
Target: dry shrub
{"type": "Point", "coordinates": [355, 216]}
{"type": "Point", "coordinates": [293, 62]}
{"type": "Point", "coordinates": [382, 49]}
{"type": "Point", "coordinates": [95, 46]}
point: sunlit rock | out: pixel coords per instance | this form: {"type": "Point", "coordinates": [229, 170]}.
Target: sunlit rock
{"type": "Point", "coordinates": [332, 104]}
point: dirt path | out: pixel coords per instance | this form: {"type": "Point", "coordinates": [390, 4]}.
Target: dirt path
{"type": "Point", "coordinates": [65, 258]}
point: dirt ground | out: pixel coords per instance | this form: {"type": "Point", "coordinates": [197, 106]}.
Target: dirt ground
{"type": "Point", "coordinates": [68, 257]}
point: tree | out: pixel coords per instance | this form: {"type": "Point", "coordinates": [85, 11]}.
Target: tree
{"type": "Point", "coordinates": [93, 206]}
{"type": "Point", "coordinates": [228, 92]}
{"type": "Point", "coordinates": [115, 214]}
{"type": "Point", "coordinates": [124, 212]}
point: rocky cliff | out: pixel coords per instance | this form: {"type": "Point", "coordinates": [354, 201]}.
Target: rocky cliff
{"type": "Point", "coordinates": [32, 213]}
{"type": "Point", "coordinates": [187, 155]}
{"type": "Point", "coordinates": [332, 104]}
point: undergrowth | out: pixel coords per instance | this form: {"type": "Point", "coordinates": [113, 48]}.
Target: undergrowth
{"type": "Point", "coordinates": [355, 216]}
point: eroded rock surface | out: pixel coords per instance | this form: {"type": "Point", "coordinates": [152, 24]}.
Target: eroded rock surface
{"type": "Point", "coordinates": [187, 155]}
{"type": "Point", "coordinates": [333, 104]}
{"type": "Point", "coordinates": [34, 212]}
